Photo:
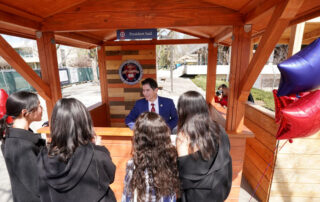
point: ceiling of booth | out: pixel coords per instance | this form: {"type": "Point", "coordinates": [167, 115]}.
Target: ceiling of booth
{"type": "Point", "coordinates": [87, 23]}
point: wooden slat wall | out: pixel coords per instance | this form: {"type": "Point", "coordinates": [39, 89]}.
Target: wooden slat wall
{"type": "Point", "coordinates": [297, 171]}
{"type": "Point", "coordinates": [122, 96]}
{"type": "Point", "coordinates": [260, 150]}
{"type": "Point", "coordinates": [120, 150]}
{"type": "Point", "coordinates": [237, 148]}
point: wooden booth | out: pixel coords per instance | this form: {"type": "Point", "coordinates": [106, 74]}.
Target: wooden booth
{"type": "Point", "coordinates": [293, 174]}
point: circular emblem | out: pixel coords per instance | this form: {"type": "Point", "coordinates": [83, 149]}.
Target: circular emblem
{"type": "Point", "coordinates": [130, 72]}
{"type": "Point", "coordinates": [122, 34]}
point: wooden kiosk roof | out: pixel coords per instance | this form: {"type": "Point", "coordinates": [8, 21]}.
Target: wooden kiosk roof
{"type": "Point", "coordinates": [239, 23]}
{"type": "Point", "coordinates": [89, 23]}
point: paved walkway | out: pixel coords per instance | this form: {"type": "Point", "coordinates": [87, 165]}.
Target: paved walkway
{"type": "Point", "coordinates": [89, 94]}
{"type": "Point", "coordinates": [180, 85]}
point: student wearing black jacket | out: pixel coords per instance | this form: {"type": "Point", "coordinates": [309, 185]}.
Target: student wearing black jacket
{"type": "Point", "coordinates": [20, 146]}
{"type": "Point", "coordinates": [73, 168]}
{"type": "Point", "coordinates": [204, 163]}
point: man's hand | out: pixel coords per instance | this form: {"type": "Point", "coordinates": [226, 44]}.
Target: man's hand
{"type": "Point", "coordinates": [131, 125]}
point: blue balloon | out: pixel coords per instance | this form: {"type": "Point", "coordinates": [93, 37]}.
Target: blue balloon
{"type": "Point", "coordinates": [301, 72]}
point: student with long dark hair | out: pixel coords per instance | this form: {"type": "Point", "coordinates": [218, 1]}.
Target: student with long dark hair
{"type": "Point", "coordinates": [20, 146]}
{"type": "Point", "coordinates": [152, 173]}
{"type": "Point", "coordinates": [73, 168]}
{"type": "Point", "coordinates": [203, 147]}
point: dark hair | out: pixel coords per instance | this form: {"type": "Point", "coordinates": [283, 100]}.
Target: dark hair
{"type": "Point", "coordinates": [153, 84]}
{"type": "Point", "coordinates": [189, 104]}
{"type": "Point", "coordinates": [153, 153]}
{"type": "Point", "coordinates": [195, 121]}
{"type": "Point", "coordinates": [70, 126]}
{"type": "Point", "coordinates": [16, 102]}
{"type": "Point", "coordinates": [223, 86]}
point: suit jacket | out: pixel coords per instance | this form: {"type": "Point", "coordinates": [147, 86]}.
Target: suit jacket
{"type": "Point", "coordinates": [166, 109]}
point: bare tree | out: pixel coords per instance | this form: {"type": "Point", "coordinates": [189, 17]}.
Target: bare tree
{"type": "Point", "coordinates": [92, 53]}
{"type": "Point", "coordinates": [3, 64]}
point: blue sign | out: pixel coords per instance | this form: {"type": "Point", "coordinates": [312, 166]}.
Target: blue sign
{"type": "Point", "coordinates": [137, 34]}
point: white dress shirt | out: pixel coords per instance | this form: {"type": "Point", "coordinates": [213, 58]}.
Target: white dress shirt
{"type": "Point", "coordinates": [156, 105]}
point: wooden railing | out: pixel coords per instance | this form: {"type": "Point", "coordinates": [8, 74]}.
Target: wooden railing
{"type": "Point", "coordinates": [260, 151]}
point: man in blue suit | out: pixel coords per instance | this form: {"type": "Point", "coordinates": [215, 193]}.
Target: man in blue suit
{"type": "Point", "coordinates": [153, 103]}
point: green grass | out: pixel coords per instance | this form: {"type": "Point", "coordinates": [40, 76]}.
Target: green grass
{"type": "Point", "coordinates": [201, 81]}
{"type": "Point", "coordinates": [265, 97]}
{"type": "Point", "coordinates": [261, 97]}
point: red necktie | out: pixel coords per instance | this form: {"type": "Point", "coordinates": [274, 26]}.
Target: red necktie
{"type": "Point", "coordinates": [152, 108]}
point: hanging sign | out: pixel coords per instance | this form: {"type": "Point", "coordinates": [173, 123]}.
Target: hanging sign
{"type": "Point", "coordinates": [130, 72]}
{"type": "Point", "coordinates": [136, 34]}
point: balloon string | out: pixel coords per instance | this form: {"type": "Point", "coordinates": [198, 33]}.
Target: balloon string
{"type": "Point", "coordinates": [265, 170]}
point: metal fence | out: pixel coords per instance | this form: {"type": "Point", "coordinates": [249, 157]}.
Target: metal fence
{"type": "Point", "coordinates": [11, 81]}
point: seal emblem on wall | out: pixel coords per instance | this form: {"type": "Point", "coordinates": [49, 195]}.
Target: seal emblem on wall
{"type": "Point", "coordinates": [130, 72]}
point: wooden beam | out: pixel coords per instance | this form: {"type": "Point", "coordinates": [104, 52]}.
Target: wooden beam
{"type": "Point", "coordinates": [21, 13]}
{"type": "Point", "coordinates": [103, 80]}
{"type": "Point", "coordinates": [20, 21]}
{"type": "Point", "coordinates": [240, 55]}
{"type": "Point", "coordinates": [258, 12]}
{"type": "Point", "coordinates": [305, 16]}
{"type": "Point", "coordinates": [136, 19]}
{"type": "Point", "coordinates": [15, 60]}
{"type": "Point", "coordinates": [226, 33]}
{"type": "Point", "coordinates": [17, 33]}
{"type": "Point", "coordinates": [110, 37]}
{"type": "Point", "coordinates": [211, 72]}
{"type": "Point", "coordinates": [249, 6]}
{"type": "Point", "coordinates": [15, 30]}
{"type": "Point", "coordinates": [281, 17]}
{"type": "Point", "coordinates": [189, 33]}
{"type": "Point", "coordinates": [49, 67]}
{"type": "Point", "coordinates": [80, 37]}
{"type": "Point", "coordinates": [156, 42]}
{"type": "Point", "coordinates": [295, 40]}
{"type": "Point", "coordinates": [65, 7]}
{"type": "Point", "coordinates": [312, 35]}
{"type": "Point", "coordinates": [74, 43]}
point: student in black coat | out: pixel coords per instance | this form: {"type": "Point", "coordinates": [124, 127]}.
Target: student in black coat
{"type": "Point", "coordinates": [204, 162]}
{"type": "Point", "coordinates": [20, 146]}
{"type": "Point", "coordinates": [73, 168]}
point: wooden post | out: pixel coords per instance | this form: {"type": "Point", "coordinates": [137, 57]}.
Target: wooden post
{"type": "Point", "coordinates": [103, 80]}
{"type": "Point", "coordinates": [211, 71]}
{"type": "Point", "coordinates": [49, 67]}
{"type": "Point", "coordinates": [296, 37]}
{"type": "Point", "coordinates": [16, 61]}
{"type": "Point", "coordinates": [281, 16]}
{"type": "Point", "coordinates": [241, 46]}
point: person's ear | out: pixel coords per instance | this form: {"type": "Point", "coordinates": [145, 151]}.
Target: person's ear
{"type": "Point", "coordinates": [24, 113]}
{"type": "Point", "coordinates": [156, 90]}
